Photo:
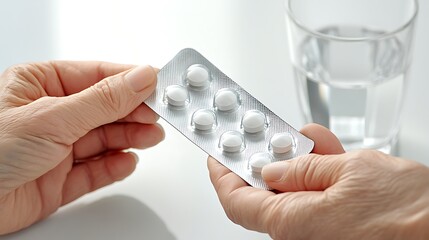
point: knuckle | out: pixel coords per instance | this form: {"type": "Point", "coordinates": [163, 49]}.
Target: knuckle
{"type": "Point", "coordinates": [276, 221]}
{"type": "Point", "coordinates": [231, 206]}
{"type": "Point", "coordinates": [231, 213]}
{"type": "Point", "coordinates": [284, 218]}
{"type": "Point", "coordinates": [106, 95]}
{"type": "Point", "coordinates": [362, 158]}
{"type": "Point", "coordinates": [22, 71]}
{"type": "Point", "coordinates": [17, 69]}
{"type": "Point", "coordinates": [306, 169]}
{"type": "Point", "coordinates": [231, 216]}
{"type": "Point", "coordinates": [23, 80]}
{"type": "Point", "coordinates": [11, 73]}
{"type": "Point", "coordinates": [413, 168]}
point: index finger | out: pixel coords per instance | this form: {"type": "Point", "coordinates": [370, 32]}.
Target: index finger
{"type": "Point", "coordinates": [240, 201]}
{"type": "Point", "coordinates": [262, 210]}
{"type": "Point", "coordinates": [74, 76]}
{"type": "Point", "coordinates": [325, 142]}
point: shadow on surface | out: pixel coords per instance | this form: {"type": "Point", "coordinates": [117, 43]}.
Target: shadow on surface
{"type": "Point", "coordinates": [116, 217]}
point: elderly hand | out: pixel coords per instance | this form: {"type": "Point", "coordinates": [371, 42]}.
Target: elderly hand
{"type": "Point", "coordinates": [358, 195]}
{"type": "Point", "coordinates": [63, 129]}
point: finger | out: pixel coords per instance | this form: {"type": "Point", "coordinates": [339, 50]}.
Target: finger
{"type": "Point", "coordinates": [117, 136]}
{"type": "Point", "coordinates": [218, 174]}
{"type": "Point", "coordinates": [306, 173]}
{"type": "Point", "coordinates": [325, 142]}
{"type": "Point", "coordinates": [142, 114]}
{"type": "Point", "coordinates": [107, 101]}
{"type": "Point", "coordinates": [75, 76]}
{"type": "Point", "coordinates": [261, 210]}
{"type": "Point", "coordinates": [243, 204]}
{"type": "Point", "coordinates": [91, 175]}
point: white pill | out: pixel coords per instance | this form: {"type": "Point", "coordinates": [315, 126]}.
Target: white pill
{"type": "Point", "coordinates": [176, 96]}
{"type": "Point", "coordinates": [204, 120]}
{"type": "Point", "coordinates": [281, 143]}
{"type": "Point", "coordinates": [253, 121]}
{"type": "Point", "coordinates": [197, 76]}
{"type": "Point", "coordinates": [226, 100]}
{"type": "Point", "coordinates": [258, 161]}
{"type": "Point", "coordinates": [232, 142]}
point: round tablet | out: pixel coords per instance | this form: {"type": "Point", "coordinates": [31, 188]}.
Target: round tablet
{"type": "Point", "coordinates": [281, 143]}
{"type": "Point", "coordinates": [204, 120]}
{"type": "Point", "coordinates": [231, 142]}
{"type": "Point", "coordinates": [258, 160]}
{"type": "Point", "coordinates": [197, 76]}
{"type": "Point", "coordinates": [176, 95]}
{"type": "Point", "coordinates": [253, 121]}
{"type": "Point", "coordinates": [226, 100]}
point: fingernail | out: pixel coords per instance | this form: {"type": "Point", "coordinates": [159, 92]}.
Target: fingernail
{"type": "Point", "coordinates": [136, 157]}
{"type": "Point", "coordinates": [140, 78]}
{"type": "Point", "coordinates": [274, 172]}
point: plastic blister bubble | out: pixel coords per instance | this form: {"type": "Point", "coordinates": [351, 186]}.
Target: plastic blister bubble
{"type": "Point", "coordinates": [176, 96]}
{"type": "Point", "coordinates": [222, 118]}
{"type": "Point", "coordinates": [204, 120]}
{"type": "Point", "coordinates": [232, 142]}
{"type": "Point", "coordinates": [197, 76]}
{"type": "Point", "coordinates": [254, 121]}
{"type": "Point", "coordinates": [258, 160]}
{"type": "Point", "coordinates": [226, 100]}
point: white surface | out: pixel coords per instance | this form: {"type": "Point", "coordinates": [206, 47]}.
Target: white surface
{"type": "Point", "coordinates": [170, 195]}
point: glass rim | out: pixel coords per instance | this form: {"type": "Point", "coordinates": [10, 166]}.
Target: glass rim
{"type": "Point", "coordinates": [351, 39]}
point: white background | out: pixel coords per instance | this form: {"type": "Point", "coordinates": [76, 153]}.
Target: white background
{"type": "Point", "coordinates": [170, 195]}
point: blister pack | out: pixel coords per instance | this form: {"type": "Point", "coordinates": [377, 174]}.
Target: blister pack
{"type": "Point", "coordinates": [222, 118]}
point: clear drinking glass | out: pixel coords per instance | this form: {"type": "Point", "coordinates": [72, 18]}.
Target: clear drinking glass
{"type": "Point", "coordinates": [351, 61]}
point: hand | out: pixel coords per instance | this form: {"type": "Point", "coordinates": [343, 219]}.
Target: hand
{"type": "Point", "coordinates": [63, 129]}
{"type": "Point", "coordinates": [357, 195]}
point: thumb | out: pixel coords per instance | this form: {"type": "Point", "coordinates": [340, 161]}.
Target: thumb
{"type": "Point", "coordinates": [108, 100]}
{"type": "Point", "coordinates": [306, 173]}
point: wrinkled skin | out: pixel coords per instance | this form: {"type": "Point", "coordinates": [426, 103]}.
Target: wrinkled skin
{"type": "Point", "coordinates": [63, 129]}
{"type": "Point", "coordinates": [331, 195]}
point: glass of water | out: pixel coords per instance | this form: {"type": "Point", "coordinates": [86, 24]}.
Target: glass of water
{"type": "Point", "coordinates": [351, 60]}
